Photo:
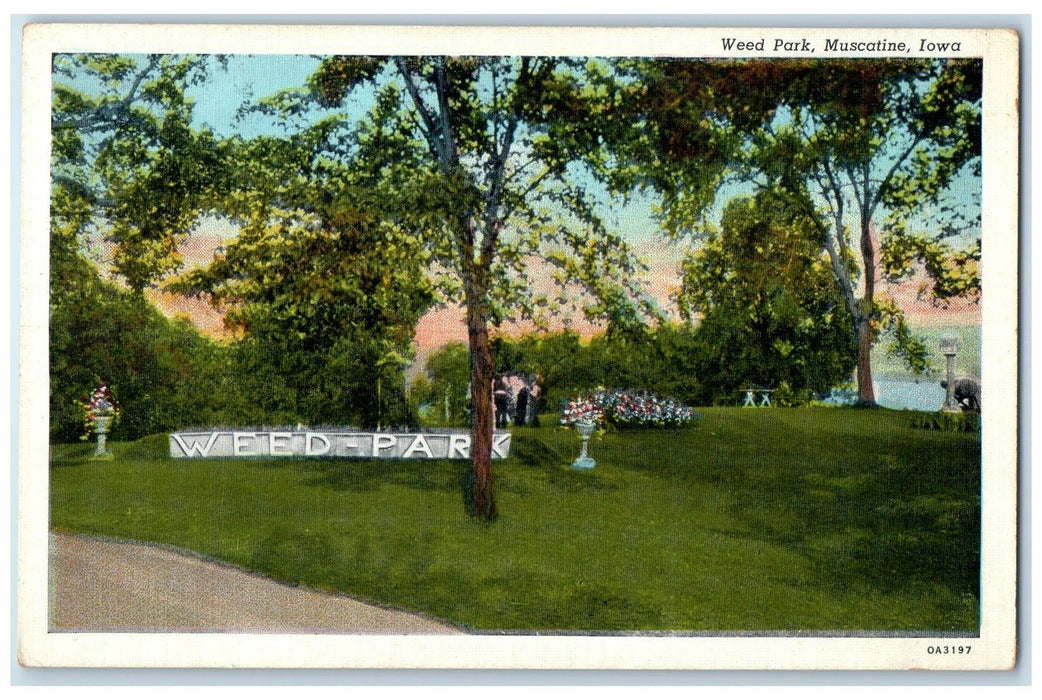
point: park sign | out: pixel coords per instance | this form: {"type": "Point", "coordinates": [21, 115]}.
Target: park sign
{"type": "Point", "coordinates": [337, 442]}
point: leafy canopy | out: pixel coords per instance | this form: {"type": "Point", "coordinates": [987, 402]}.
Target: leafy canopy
{"type": "Point", "coordinates": [495, 163]}
{"type": "Point", "coordinates": [126, 162]}
{"type": "Point", "coordinates": [769, 312]}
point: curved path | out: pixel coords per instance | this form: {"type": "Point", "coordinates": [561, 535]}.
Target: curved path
{"type": "Point", "coordinates": [104, 585]}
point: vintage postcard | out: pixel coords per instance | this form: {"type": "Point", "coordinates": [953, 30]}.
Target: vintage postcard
{"type": "Point", "coordinates": [518, 348]}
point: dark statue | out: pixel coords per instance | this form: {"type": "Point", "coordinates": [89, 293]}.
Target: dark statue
{"type": "Point", "coordinates": [966, 392]}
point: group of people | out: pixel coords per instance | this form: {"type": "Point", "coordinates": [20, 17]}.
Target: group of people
{"type": "Point", "coordinates": [515, 399]}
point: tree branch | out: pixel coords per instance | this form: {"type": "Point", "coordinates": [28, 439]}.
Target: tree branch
{"type": "Point", "coordinates": [837, 191]}
{"type": "Point", "coordinates": [450, 154]}
{"type": "Point", "coordinates": [838, 256]}
{"type": "Point", "coordinates": [523, 195]}
{"type": "Point", "coordinates": [113, 110]}
{"type": "Point", "coordinates": [431, 132]}
{"type": "Point", "coordinates": [500, 158]}
{"type": "Point", "coordinates": [893, 169]}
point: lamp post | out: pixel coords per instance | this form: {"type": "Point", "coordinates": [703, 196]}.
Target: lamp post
{"type": "Point", "coordinates": [949, 347]}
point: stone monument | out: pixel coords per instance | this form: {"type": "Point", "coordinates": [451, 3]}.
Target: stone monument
{"type": "Point", "coordinates": [330, 443]}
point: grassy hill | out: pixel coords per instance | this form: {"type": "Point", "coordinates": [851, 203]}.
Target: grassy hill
{"type": "Point", "coordinates": [755, 519]}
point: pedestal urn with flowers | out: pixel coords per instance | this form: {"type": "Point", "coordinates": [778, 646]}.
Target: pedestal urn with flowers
{"type": "Point", "coordinates": [587, 415]}
{"type": "Point", "coordinates": [101, 416]}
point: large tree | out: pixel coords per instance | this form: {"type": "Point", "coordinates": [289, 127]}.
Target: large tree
{"type": "Point", "coordinates": [128, 179]}
{"type": "Point", "coordinates": [323, 291]}
{"type": "Point", "coordinates": [503, 159]}
{"type": "Point", "coordinates": [769, 311]}
{"type": "Point", "coordinates": [860, 146]}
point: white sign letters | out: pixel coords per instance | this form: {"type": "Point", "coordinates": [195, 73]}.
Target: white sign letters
{"type": "Point", "coordinates": [329, 443]}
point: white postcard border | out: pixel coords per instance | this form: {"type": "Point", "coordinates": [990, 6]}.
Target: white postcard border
{"type": "Point", "coordinates": [997, 641]}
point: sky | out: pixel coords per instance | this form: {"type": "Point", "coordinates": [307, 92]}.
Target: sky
{"type": "Point", "coordinates": [246, 79]}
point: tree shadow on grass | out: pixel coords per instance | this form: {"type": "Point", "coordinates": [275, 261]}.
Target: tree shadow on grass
{"type": "Point", "coordinates": [869, 503]}
{"type": "Point", "coordinates": [893, 521]}
{"type": "Point", "coordinates": [552, 465]}
{"type": "Point", "coordinates": [362, 475]}
{"type": "Point", "coordinates": [153, 449]}
{"type": "Point", "coordinates": [70, 455]}
{"type": "Point", "coordinates": [530, 457]}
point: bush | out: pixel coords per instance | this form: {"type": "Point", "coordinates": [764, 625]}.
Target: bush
{"type": "Point", "coordinates": [947, 422]}
{"type": "Point", "coordinates": [163, 373]}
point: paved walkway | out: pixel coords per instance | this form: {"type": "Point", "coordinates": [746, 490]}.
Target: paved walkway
{"type": "Point", "coordinates": [103, 585]}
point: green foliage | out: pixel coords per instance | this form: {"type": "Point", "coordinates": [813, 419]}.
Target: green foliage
{"type": "Point", "coordinates": [769, 313]}
{"type": "Point", "coordinates": [853, 144]}
{"type": "Point", "coordinates": [968, 361]}
{"type": "Point", "coordinates": [163, 373]}
{"type": "Point", "coordinates": [448, 369]}
{"type": "Point", "coordinates": [952, 272]}
{"type": "Point", "coordinates": [122, 142]}
{"type": "Point", "coordinates": [691, 119]}
{"type": "Point", "coordinates": [904, 344]}
{"type": "Point", "coordinates": [501, 154]}
{"type": "Point", "coordinates": [947, 422]}
{"type": "Point", "coordinates": [495, 154]}
{"type": "Point", "coordinates": [321, 283]}
{"type": "Point", "coordinates": [128, 170]}
{"type": "Point", "coordinates": [564, 364]}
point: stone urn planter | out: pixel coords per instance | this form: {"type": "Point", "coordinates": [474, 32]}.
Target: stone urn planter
{"type": "Point", "coordinates": [102, 423]}
{"type": "Point", "coordinates": [101, 415]}
{"type": "Point", "coordinates": [584, 460]}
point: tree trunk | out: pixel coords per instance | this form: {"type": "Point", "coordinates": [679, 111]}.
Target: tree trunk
{"type": "Point", "coordinates": [866, 392]}
{"type": "Point", "coordinates": [863, 319]}
{"type": "Point", "coordinates": [482, 374]}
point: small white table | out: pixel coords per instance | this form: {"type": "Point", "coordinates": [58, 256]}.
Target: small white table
{"type": "Point", "coordinates": [750, 398]}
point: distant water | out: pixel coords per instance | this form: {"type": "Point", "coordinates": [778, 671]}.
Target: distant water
{"type": "Point", "coordinates": [918, 394]}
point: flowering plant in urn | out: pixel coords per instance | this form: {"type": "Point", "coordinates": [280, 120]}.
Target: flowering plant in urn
{"type": "Point", "coordinates": [586, 413]}
{"type": "Point", "coordinates": [583, 409]}
{"type": "Point", "coordinates": [101, 414]}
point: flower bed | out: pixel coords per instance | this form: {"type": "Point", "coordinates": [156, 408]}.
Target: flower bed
{"type": "Point", "coordinates": [627, 409]}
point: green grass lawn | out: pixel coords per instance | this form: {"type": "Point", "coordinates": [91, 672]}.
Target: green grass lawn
{"type": "Point", "coordinates": [754, 519]}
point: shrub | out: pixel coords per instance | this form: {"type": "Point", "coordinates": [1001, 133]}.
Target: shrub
{"type": "Point", "coordinates": [947, 422]}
